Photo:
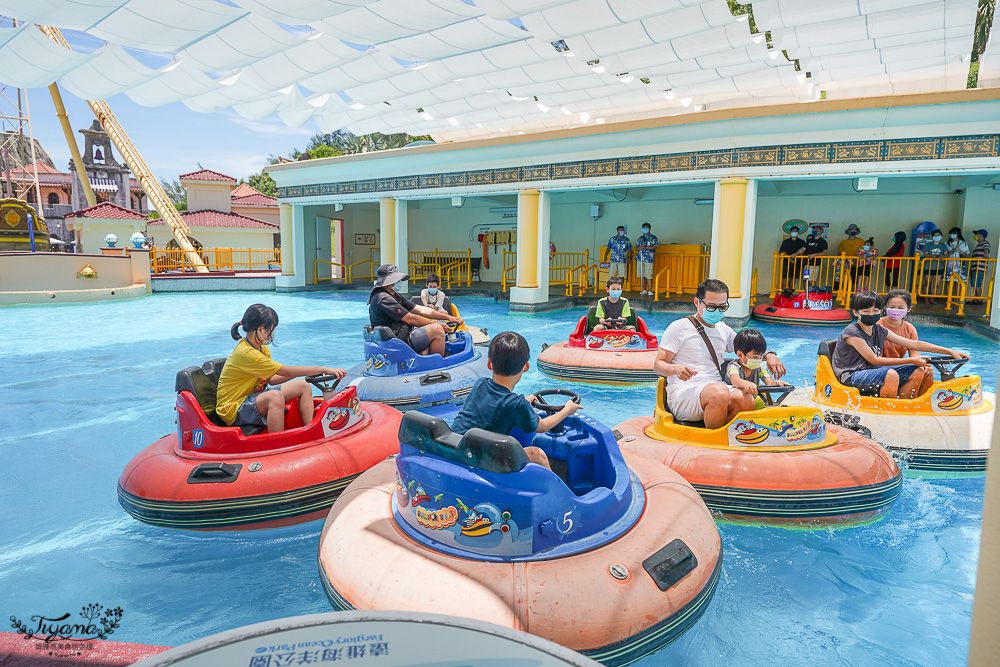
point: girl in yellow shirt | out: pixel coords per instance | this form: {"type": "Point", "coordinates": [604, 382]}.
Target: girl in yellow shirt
{"type": "Point", "coordinates": [242, 397]}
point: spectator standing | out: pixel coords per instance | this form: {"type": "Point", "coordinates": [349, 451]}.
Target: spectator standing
{"type": "Point", "coordinates": [933, 270]}
{"type": "Point", "coordinates": [645, 247]}
{"type": "Point", "coordinates": [891, 278]}
{"type": "Point", "coordinates": [617, 253]}
{"type": "Point", "coordinates": [867, 258]}
{"type": "Point", "coordinates": [816, 246]}
{"type": "Point", "coordinates": [850, 247]}
{"type": "Point", "coordinates": [792, 246]}
{"type": "Point", "coordinates": [957, 247]}
{"type": "Point", "coordinates": [977, 270]}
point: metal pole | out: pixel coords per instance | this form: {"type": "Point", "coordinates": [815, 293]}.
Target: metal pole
{"type": "Point", "coordinates": [74, 149]}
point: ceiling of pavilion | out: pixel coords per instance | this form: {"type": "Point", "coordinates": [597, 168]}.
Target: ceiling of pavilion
{"type": "Point", "coordinates": [462, 68]}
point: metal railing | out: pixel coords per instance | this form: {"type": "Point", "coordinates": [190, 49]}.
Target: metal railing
{"type": "Point", "coordinates": [561, 268]}
{"type": "Point", "coordinates": [656, 283]}
{"type": "Point", "coordinates": [955, 279]}
{"type": "Point", "coordinates": [682, 272]}
{"type": "Point", "coordinates": [509, 266]}
{"type": "Point", "coordinates": [371, 270]}
{"type": "Point", "coordinates": [162, 259]}
{"type": "Point", "coordinates": [317, 279]}
{"type": "Point", "coordinates": [584, 281]}
{"type": "Point", "coordinates": [422, 263]}
{"type": "Point", "coordinates": [456, 266]}
{"type": "Point", "coordinates": [753, 288]}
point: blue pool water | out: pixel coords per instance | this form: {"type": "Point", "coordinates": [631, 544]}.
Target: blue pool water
{"type": "Point", "coordinates": [85, 387]}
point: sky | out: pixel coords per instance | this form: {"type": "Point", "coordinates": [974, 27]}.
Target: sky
{"type": "Point", "coordinates": [172, 139]}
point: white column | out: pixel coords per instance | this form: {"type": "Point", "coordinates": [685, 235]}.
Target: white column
{"type": "Point", "coordinates": [722, 257]}
{"type": "Point", "coordinates": [297, 245]}
{"type": "Point", "coordinates": [401, 246]}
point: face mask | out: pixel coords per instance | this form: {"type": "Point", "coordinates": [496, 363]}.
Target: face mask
{"type": "Point", "coordinates": [432, 290]}
{"type": "Point", "coordinates": [753, 364]}
{"type": "Point", "coordinates": [615, 293]}
{"type": "Point", "coordinates": [895, 313]}
{"type": "Point", "coordinates": [953, 236]}
{"type": "Point", "coordinates": [852, 234]}
{"type": "Point", "coordinates": [794, 234]}
{"type": "Point", "coordinates": [977, 238]}
{"type": "Point", "coordinates": [621, 233]}
{"type": "Point", "coordinates": [712, 317]}
{"type": "Point", "coordinates": [937, 239]}
{"type": "Point", "coordinates": [867, 247]}
{"type": "Point", "coordinates": [869, 320]}
{"type": "Point", "coordinates": [265, 341]}
{"type": "Point", "coordinates": [645, 230]}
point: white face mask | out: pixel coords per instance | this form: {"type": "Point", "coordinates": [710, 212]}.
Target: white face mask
{"type": "Point", "coordinates": [867, 247]}
{"type": "Point", "coordinates": [753, 364]}
{"type": "Point", "coordinates": [621, 233]}
{"type": "Point", "coordinates": [794, 234]}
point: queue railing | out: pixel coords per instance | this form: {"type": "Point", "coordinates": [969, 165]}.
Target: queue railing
{"type": "Point", "coordinates": [164, 259]}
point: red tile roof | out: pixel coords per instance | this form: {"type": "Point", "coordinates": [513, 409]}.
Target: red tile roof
{"type": "Point", "coordinates": [206, 175]}
{"type": "Point", "coordinates": [209, 218]}
{"type": "Point", "coordinates": [244, 190]}
{"type": "Point", "coordinates": [106, 210]}
{"type": "Point", "coordinates": [255, 200]}
{"type": "Point", "coordinates": [42, 169]}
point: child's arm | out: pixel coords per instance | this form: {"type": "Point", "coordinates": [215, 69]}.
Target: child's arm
{"type": "Point", "coordinates": [924, 347]}
{"type": "Point", "coordinates": [286, 373]}
{"type": "Point", "coordinates": [733, 375]}
{"type": "Point", "coordinates": [868, 354]}
{"type": "Point", "coordinates": [548, 423]}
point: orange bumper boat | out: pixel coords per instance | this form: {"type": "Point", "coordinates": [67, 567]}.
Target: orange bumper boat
{"type": "Point", "coordinates": [611, 556]}
{"type": "Point", "coordinates": [612, 356]}
{"type": "Point", "coordinates": [779, 465]}
{"type": "Point", "coordinates": [207, 476]}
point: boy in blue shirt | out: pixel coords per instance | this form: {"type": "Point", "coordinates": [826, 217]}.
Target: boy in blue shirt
{"type": "Point", "coordinates": [492, 404]}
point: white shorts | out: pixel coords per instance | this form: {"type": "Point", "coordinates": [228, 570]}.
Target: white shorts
{"type": "Point", "coordinates": [617, 270]}
{"type": "Point", "coordinates": [685, 400]}
{"type": "Point", "coordinates": [645, 269]}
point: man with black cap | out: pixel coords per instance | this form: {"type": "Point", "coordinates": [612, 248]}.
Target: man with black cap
{"type": "Point", "coordinates": [410, 323]}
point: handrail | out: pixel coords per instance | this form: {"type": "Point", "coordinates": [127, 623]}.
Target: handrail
{"type": "Point", "coordinates": [956, 276]}
{"type": "Point", "coordinates": [753, 287]}
{"type": "Point", "coordinates": [507, 269]}
{"type": "Point", "coordinates": [446, 269]}
{"type": "Point", "coordinates": [774, 273]}
{"type": "Point", "coordinates": [162, 259]}
{"type": "Point", "coordinates": [350, 270]}
{"type": "Point", "coordinates": [583, 275]}
{"type": "Point", "coordinates": [656, 284]}
{"type": "Point", "coordinates": [316, 277]}
{"type": "Point", "coordinates": [989, 299]}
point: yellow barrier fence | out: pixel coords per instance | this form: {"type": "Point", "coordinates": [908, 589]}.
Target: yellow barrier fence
{"type": "Point", "coordinates": [665, 271]}
{"type": "Point", "coordinates": [162, 259]}
{"type": "Point", "coordinates": [561, 268]}
{"type": "Point", "coordinates": [371, 270]}
{"type": "Point", "coordinates": [958, 280]}
{"type": "Point", "coordinates": [680, 273]}
{"type": "Point", "coordinates": [509, 276]}
{"type": "Point", "coordinates": [584, 281]}
{"type": "Point", "coordinates": [456, 267]}
{"type": "Point", "coordinates": [422, 263]}
{"type": "Point", "coordinates": [316, 278]}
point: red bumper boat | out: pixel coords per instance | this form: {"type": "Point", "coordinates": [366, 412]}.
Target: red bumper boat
{"type": "Point", "coordinates": [208, 476]}
{"type": "Point", "coordinates": [813, 308]}
{"type": "Point", "coordinates": [611, 356]}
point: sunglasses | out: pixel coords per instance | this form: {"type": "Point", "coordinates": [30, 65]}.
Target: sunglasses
{"type": "Point", "coordinates": [712, 307]}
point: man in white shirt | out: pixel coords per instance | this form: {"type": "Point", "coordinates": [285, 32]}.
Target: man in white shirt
{"type": "Point", "coordinates": [695, 388]}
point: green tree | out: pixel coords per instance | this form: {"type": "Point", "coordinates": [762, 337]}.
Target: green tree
{"type": "Point", "coordinates": [175, 193]}
{"type": "Point", "coordinates": [263, 183]}
{"type": "Point", "coordinates": [343, 142]}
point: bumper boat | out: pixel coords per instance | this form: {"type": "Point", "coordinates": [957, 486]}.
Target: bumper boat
{"type": "Point", "coordinates": [813, 308]}
{"type": "Point", "coordinates": [779, 465]}
{"type": "Point", "coordinates": [608, 554]}
{"type": "Point", "coordinates": [395, 375]}
{"type": "Point", "coordinates": [208, 476]}
{"type": "Point", "coordinates": [480, 336]}
{"type": "Point", "coordinates": [945, 432]}
{"type": "Point", "coordinates": [612, 356]}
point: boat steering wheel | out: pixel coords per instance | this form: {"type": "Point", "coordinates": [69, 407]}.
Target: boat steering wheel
{"type": "Point", "coordinates": [325, 382]}
{"type": "Point", "coordinates": [947, 365]}
{"type": "Point", "coordinates": [540, 404]}
{"type": "Point", "coordinates": [770, 391]}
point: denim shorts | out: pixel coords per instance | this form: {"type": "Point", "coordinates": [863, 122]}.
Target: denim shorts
{"type": "Point", "coordinates": [872, 378]}
{"type": "Point", "coordinates": [248, 414]}
{"type": "Point", "coordinates": [976, 279]}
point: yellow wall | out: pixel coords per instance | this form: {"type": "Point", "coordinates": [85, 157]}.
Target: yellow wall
{"type": "Point", "coordinates": [214, 196]}
{"type": "Point", "coordinates": [93, 231]}
{"type": "Point", "coordinates": [21, 272]}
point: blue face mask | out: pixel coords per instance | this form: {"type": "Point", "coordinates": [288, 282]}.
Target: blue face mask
{"type": "Point", "coordinates": [712, 317]}
{"type": "Point", "coordinates": [432, 290]}
{"type": "Point", "coordinates": [615, 293]}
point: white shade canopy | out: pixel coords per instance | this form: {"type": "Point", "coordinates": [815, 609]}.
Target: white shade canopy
{"type": "Point", "coordinates": [462, 68]}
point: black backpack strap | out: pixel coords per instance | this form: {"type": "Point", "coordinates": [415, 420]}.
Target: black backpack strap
{"type": "Point", "coordinates": [704, 336]}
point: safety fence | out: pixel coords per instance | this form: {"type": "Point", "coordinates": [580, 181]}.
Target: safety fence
{"type": "Point", "coordinates": [451, 266]}
{"type": "Point", "coordinates": [163, 259]}
{"type": "Point", "coordinates": [680, 274]}
{"type": "Point", "coordinates": [562, 266]}
{"type": "Point", "coordinates": [957, 280]}
{"type": "Point", "coordinates": [347, 271]}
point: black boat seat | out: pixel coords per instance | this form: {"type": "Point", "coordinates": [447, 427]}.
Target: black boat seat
{"type": "Point", "coordinates": [376, 334]}
{"type": "Point", "coordinates": [480, 449]}
{"type": "Point", "coordinates": [203, 383]}
{"type": "Point", "coordinates": [826, 348]}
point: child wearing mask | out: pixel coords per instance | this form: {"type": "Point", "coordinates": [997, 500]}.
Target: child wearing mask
{"type": "Point", "coordinates": [933, 270]}
{"type": "Point", "coordinates": [859, 359]}
{"type": "Point", "coordinates": [957, 247]}
{"type": "Point", "coordinates": [868, 254]}
{"type": "Point", "coordinates": [431, 296]}
{"type": "Point", "coordinates": [748, 370]}
{"type": "Point", "coordinates": [614, 310]}
{"type": "Point", "coordinates": [897, 307]}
